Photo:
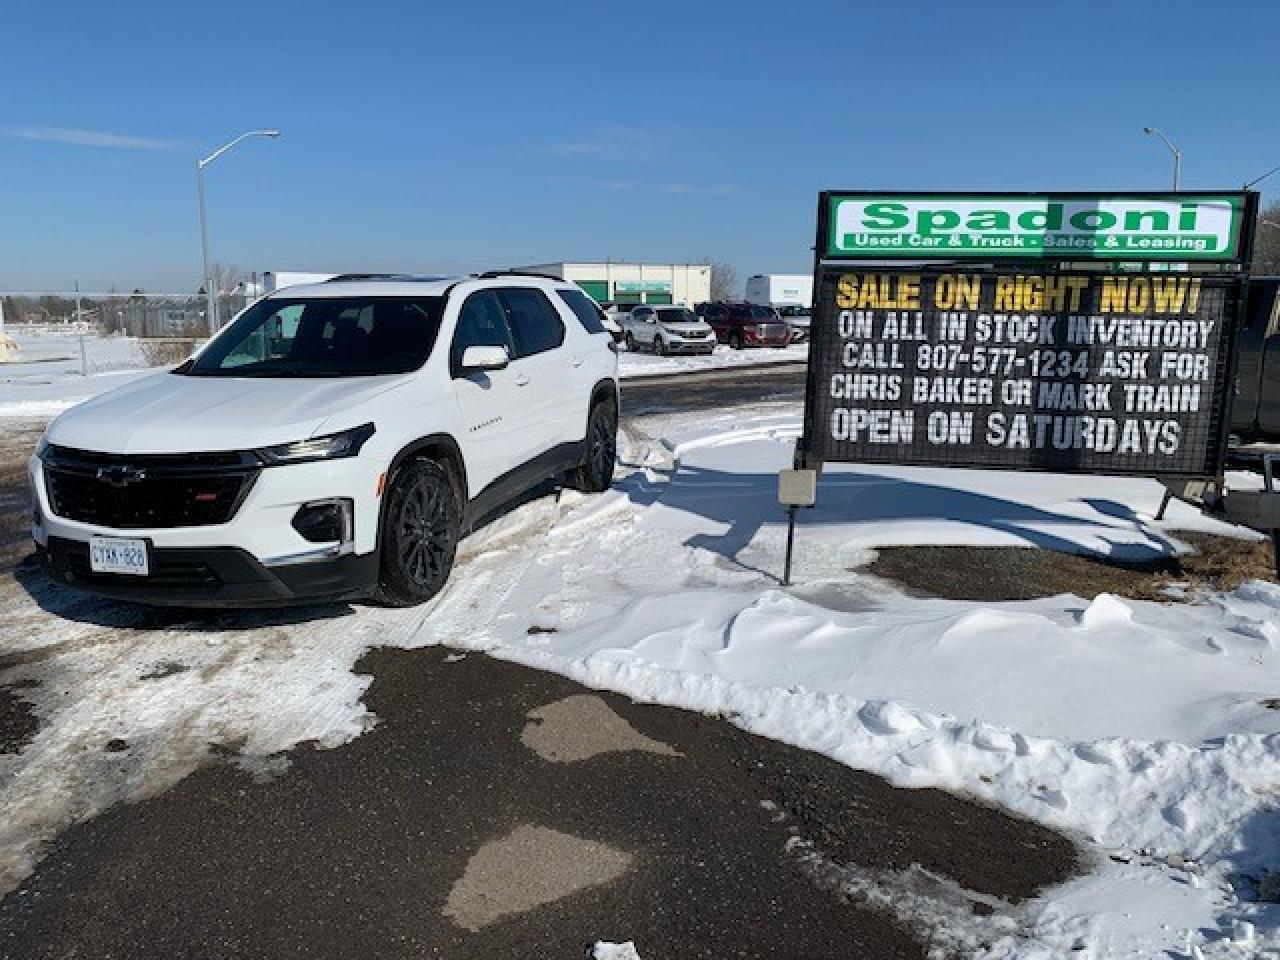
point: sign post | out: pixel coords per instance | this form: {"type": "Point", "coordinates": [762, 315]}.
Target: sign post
{"type": "Point", "coordinates": [1066, 332]}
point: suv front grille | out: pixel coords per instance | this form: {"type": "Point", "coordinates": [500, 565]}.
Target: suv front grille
{"type": "Point", "coordinates": [133, 492]}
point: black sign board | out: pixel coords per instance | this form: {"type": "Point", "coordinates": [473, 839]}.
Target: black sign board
{"type": "Point", "coordinates": [1014, 369]}
{"type": "Point", "coordinates": [1021, 363]}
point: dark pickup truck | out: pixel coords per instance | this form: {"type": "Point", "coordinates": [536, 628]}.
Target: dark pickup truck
{"type": "Point", "coordinates": [1255, 409]}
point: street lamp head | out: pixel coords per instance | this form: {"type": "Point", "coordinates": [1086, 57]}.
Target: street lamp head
{"type": "Point", "coordinates": [271, 133]}
{"type": "Point", "coordinates": [1148, 129]}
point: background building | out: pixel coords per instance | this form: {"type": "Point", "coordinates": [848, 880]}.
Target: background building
{"type": "Point", "coordinates": [781, 289]}
{"type": "Point", "coordinates": [684, 284]}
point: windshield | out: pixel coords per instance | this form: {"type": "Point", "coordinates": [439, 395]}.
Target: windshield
{"type": "Point", "coordinates": [762, 313]}
{"type": "Point", "coordinates": [679, 315]}
{"type": "Point", "coordinates": [323, 337]}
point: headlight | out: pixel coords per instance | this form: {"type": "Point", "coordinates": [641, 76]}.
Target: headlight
{"type": "Point", "coordinates": [334, 446]}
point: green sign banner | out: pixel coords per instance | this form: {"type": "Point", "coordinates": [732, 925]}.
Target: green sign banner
{"type": "Point", "coordinates": [1072, 226]}
{"type": "Point", "coordinates": [642, 286]}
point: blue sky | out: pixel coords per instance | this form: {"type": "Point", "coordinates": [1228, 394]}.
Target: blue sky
{"type": "Point", "coordinates": [452, 136]}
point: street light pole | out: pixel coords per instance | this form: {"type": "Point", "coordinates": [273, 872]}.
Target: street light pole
{"type": "Point", "coordinates": [1177, 154]}
{"type": "Point", "coordinates": [1257, 180]}
{"type": "Point", "coordinates": [210, 301]}
{"type": "Point", "coordinates": [211, 296]}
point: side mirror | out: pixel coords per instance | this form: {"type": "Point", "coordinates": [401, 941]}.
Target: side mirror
{"type": "Point", "coordinates": [479, 359]}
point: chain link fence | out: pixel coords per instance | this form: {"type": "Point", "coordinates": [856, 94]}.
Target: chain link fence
{"type": "Point", "coordinates": [100, 332]}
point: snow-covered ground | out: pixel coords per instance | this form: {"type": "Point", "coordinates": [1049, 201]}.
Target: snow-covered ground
{"type": "Point", "coordinates": [642, 363]}
{"type": "Point", "coordinates": [1142, 729]}
{"type": "Point", "coordinates": [53, 374]}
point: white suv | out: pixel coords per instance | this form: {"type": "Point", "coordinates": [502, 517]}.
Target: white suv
{"type": "Point", "coordinates": [667, 330]}
{"type": "Point", "coordinates": [333, 441]}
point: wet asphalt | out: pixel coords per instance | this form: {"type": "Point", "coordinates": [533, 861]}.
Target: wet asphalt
{"type": "Point", "coordinates": [361, 851]}
{"type": "Point", "coordinates": [467, 823]}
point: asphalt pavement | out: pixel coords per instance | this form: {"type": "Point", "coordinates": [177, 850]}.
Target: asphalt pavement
{"type": "Point", "coordinates": [501, 812]}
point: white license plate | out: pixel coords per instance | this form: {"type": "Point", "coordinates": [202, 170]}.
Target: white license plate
{"type": "Point", "coordinates": [118, 555]}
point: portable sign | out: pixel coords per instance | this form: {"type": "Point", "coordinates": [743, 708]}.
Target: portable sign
{"type": "Point", "coordinates": [1026, 361]}
{"type": "Point", "coordinates": [1111, 373]}
{"type": "Point", "coordinates": [1067, 226]}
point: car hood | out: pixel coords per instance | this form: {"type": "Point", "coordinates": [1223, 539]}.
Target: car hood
{"type": "Point", "coordinates": [172, 413]}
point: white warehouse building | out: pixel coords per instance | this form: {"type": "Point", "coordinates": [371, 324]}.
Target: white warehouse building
{"type": "Point", "coordinates": [681, 284]}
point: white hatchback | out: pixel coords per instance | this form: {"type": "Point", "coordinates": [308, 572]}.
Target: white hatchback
{"type": "Point", "coordinates": [333, 441]}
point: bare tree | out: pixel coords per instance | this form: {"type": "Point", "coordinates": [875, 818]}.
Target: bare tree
{"type": "Point", "coordinates": [724, 280]}
{"type": "Point", "coordinates": [1266, 242]}
{"type": "Point", "coordinates": [225, 276]}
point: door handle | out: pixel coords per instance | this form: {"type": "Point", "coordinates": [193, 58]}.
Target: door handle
{"type": "Point", "coordinates": [577, 361]}
{"type": "Point", "coordinates": [521, 380]}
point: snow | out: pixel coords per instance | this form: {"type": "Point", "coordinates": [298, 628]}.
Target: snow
{"type": "Point", "coordinates": [49, 378]}
{"type": "Point", "coordinates": [645, 364]}
{"type": "Point", "coordinates": [604, 950]}
{"type": "Point", "coordinates": [1137, 727]}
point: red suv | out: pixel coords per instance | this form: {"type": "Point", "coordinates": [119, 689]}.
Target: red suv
{"type": "Point", "coordinates": [746, 324]}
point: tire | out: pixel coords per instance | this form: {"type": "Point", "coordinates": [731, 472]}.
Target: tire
{"type": "Point", "coordinates": [421, 525]}
{"type": "Point", "coordinates": [735, 340]}
{"type": "Point", "coordinates": [595, 475]}
{"type": "Point", "coordinates": [630, 341]}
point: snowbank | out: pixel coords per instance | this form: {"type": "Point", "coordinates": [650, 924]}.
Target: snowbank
{"type": "Point", "coordinates": [643, 364]}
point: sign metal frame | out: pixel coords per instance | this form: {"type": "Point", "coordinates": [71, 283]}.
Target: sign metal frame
{"type": "Point", "coordinates": [1235, 267]}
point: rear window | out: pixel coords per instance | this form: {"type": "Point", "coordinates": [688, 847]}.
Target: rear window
{"type": "Point", "coordinates": [584, 308]}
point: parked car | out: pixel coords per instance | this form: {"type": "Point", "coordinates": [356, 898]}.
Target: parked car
{"type": "Point", "coordinates": [1255, 407]}
{"type": "Point", "coordinates": [746, 324]}
{"type": "Point", "coordinates": [797, 318]}
{"type": "Point", "coordinates": [333, 441]}
{"type": "Point", "coordinates": [667, 330]}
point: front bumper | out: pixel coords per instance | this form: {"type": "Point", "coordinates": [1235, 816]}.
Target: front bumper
{"type": "Point", "coordinates": [750, 339]}
{"type": "Point", "coordinates": [213, 577]}
{"type": "Point", "coordinates": [256, 558]}
{"type": "Point", "coordinates": [705, 345]}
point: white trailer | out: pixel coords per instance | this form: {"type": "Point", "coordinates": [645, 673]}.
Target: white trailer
{"type": "Point", "coordinates": [781, 290]}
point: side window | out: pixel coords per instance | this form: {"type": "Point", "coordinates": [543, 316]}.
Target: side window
{"type": "Point", "coordinates": [584, 308]}
{"type": "Point", "coordinates": [535, 325]}
{"type": "Point", "coordinates": [481, 323]}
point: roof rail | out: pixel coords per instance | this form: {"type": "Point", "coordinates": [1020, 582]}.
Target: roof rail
{"type": "Point", "coordinates": [403, 277]}
{"type": "Point", "coordinates": [491, 274]}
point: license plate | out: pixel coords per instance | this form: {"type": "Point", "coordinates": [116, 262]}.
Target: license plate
{"type": "Point", "coordinates": [118, 555]}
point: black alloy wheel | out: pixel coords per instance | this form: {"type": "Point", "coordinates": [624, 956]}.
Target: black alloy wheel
{"type": "Point", "coordinates": [596, 472]}
{"type": "Point", "coordinates": [421, 525]}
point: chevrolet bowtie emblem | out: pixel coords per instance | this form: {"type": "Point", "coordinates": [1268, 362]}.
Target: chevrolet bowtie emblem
{"type": "Point", "coordinates": [121, 476]}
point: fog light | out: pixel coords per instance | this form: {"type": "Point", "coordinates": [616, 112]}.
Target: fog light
{"type": "Point", "coordinates": [325, 521]}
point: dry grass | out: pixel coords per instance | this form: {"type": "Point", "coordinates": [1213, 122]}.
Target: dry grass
{"type": "Point", "coordinates": [1014, 573]}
